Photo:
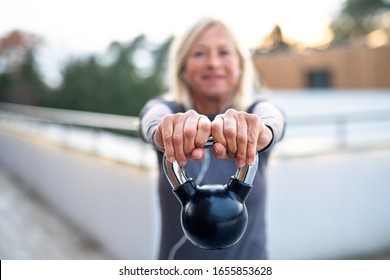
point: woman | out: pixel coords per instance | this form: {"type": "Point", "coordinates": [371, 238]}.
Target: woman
{"type": "Point", "coordinates": [213, 82]}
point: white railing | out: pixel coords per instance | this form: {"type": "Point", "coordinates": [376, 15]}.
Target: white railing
{"type": "Point", "coordinates": [342, 122]}
{"type": "Point", "coordinates": [305, 134]}
{"type": "Point", "coordinates": [70, 117]}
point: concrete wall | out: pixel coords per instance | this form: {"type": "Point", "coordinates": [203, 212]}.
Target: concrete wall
{"type": "Point", "coordinates": [114, 203]}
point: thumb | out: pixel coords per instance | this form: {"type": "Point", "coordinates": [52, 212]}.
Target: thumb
{"type": "Point", "coordinates": [197, 154]}
{"type": "Point", "coordinates": [219, 151]}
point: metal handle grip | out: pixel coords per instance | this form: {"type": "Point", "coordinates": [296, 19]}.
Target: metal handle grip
{"type": "Point", "coordinates": [177, 176]}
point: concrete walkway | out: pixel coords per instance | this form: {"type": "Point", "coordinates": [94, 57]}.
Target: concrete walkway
{"type": "Point", "coordinates": [31, 229]}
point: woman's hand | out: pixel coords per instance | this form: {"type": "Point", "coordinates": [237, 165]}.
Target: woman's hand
{"type": "Point", "coordinates": [239, 135]}
{"type": "Point", "coordinates": [183, 136]}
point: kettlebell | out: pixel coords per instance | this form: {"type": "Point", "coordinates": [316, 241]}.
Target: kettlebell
{"type": "Point", "coordinates": [212, 216]}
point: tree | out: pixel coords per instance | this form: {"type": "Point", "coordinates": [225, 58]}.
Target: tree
{"type": "Point", "coordinates": [118, 88]}
{"type": "Point", "coordinates": [273, 42]}
{"type": "Point", "coordinates": [19, 80]}
{"type": "Point", "coordinates": [358, 18]}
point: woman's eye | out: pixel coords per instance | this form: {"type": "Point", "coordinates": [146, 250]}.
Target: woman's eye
{"type": "Point", "coordinates": [198, 54]}
{"type": "Point", "coordinates": [224, 52]}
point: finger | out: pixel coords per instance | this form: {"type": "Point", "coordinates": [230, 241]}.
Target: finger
{"type": "Point", "coordinates": [189, 132]}
{"type": "Point", "coordinates": [241, 138]}
{"type": "Point", "coordinates": [217, 130]}
{"type": "Point", "coordinates": [203, 131]}
{"type": "Point", "coordinates": [202, 135]}
{"type": "Point", "coordinates": [254, 124]}
{"type": "Point", "coordinates": [165, 129]}
{"type": "Point", "coordinates": [177, 139]}
{"type": "Point", "coordinates": [230, 134]}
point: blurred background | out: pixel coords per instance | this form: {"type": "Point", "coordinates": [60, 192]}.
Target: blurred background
{"type": "Point", "coordinates": [76, 181]}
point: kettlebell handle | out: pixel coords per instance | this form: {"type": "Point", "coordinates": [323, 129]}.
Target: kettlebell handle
{"type": "Point", "coordinates": [177, 176]}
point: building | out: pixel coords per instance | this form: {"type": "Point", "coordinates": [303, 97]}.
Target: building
{"type": "Point", "coordinates": [351, 67]}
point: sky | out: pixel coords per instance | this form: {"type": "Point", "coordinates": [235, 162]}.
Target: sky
{"type": "Point", "coordinates": [80, 27]}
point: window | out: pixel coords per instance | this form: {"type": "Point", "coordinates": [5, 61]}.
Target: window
{"type": "Point", "coordinates": [319, 79]}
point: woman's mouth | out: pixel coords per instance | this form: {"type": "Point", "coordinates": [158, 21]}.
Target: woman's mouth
{"type": "Point", "coordinates": [213, 77]}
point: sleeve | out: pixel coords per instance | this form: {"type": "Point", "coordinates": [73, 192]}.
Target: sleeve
{"type": "Point", "coordinates": [150, 116]}
{"type": "Point", "coordinates": [272, 117]}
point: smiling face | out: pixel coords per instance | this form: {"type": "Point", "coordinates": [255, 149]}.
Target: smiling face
{"type": "Point", "coordinates": [212, 70]}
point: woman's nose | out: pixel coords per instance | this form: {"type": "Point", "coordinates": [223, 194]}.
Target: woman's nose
{"type": "Point", "coordinates": [214, 60]}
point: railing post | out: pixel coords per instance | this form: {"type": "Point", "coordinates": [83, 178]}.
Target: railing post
{"type": "Point", "coordinates": [341, 132]}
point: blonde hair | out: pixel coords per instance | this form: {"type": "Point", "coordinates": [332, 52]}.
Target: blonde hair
{"type": "Point", "coordinates": [178, 56]}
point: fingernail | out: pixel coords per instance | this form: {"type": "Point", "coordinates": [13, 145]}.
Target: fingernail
{"type": "Point", "coordinates": [240, 163]}
{"type": "Point", "coordinates": [171, 159]}
{"type": "Point", "coordinates": [182, 163]}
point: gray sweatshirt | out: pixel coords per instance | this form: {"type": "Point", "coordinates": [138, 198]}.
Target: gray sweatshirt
{"type": "Point", "coordinates": [173, 243]}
